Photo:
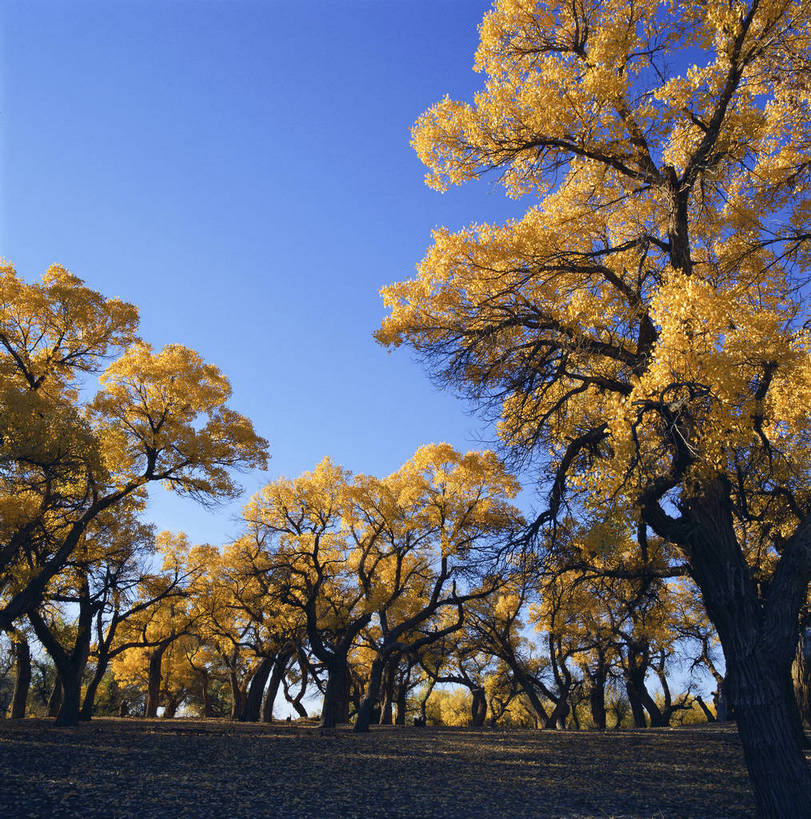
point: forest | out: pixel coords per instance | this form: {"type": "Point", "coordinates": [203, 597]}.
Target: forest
{"type": "Point", "coordinates": [639, 341]}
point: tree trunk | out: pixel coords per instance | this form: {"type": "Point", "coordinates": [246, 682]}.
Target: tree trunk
{"type": "Point", "coordinates": [92, 688]}
{"type": "Point", "coordinates": [402, 701]}
{"type": "Point", "coordinates": [22, 678]}
{"type": "Point", "coordinates": [237, 695]}
{"type": "Point", "coordinates": [801, 668]}
{"type": "Point", "coordinates": [170, 709]}
{"type": "Point", "coordinates": [253, 700]}
{"type": "Point", "coordinates": [597, 678]}
{"type": "Point", "coordinates": [531, 694]}
{"type": "Point", "coordinates": [704, 707]}
{"type": "Point", "coordinates": [279, 670]}
{"type": "Point", "coordinates": [766, 717]}
{"type": "Point", "coordinates": [370, 698]}
{"type": "Point", "coordinates": [478, 707]}
{"type": "Point", "coordinates": [387, 706]}
{"type": "Point", "coordinates": [205, 690]}
{"type": "Point", "coordinates": [55, 700]}
{"type": "Point", "coordinates": [635, 701]}
{"type": "Point", "coordinates": [557, 719]}
{"type": "Point", "coordinates": [70, 709]}
{"type": "Point", "coordinates": [597, 703]}
{"type": "Point", "coordinates": [759, 639]}
{"type": "Point", "coordinates": [335, 708]}
{"type": "Point", "coordinates": [722, 709]}
{"type": "Point", "coordinates": [153, 689]}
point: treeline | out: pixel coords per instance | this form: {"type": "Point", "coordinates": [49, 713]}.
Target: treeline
{"type": "Point", "coordinates": [365, 593]}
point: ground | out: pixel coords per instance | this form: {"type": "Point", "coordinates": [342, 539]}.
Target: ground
{"type": "Point", "coordinates": [191, 768]}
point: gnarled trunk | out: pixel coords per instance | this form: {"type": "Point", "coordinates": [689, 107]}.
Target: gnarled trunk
{"type": "Point", "coordinates": [387, 705]}
{"type": "Point", "coordinates": [237, 695]}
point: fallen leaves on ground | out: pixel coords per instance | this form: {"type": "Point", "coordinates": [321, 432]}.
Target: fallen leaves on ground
{"type": "Point", "coordinates": [208, 768]}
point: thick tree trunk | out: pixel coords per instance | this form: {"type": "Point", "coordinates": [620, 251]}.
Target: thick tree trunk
{"type": "Point", "coordinates": [401, 701]}
{"type": "Point", "coordinates": [22, 678]}
{"type": "Point", "coordinates": [70, 709]}
{"type": "Point", "coordinates": [253, 700]}
{"type": "Point", "coordinates": [541, 717]}
{"type": "Point", "coordinates": [387, 706]}
{"type": "Point", "coordinates": [69, 665]}
{"type": "Point", "coordinates": [722, 710]}
{"type": "Point", "coordinates": [557, 719]}
{"type": "Point", "coordinates": [371, 695]}
{"type": "Point", "coordinates": [759, 638]}
{"type": "Point", "coordinates": [153, 688]}
{"type": "Point", "coordinates": [597, 703]}
{"type": "Point", "coordinates": [237, 696]}
{"type": "Point", "coordinates": [635, 700]}
{"type": "Point", "coordinates": [767, 722]}
{"type": "Point", "coordinates": [205, 691]}
{"type": "Point", "coordinates": [335, 708]}
{"type": "Point", "coordinates": [170, 709]}
{"type": "Point", "coordinates": [478, 708]}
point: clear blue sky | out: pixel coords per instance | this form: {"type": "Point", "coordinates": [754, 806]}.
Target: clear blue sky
{"type": "Point", "coordinates": [241, 171]}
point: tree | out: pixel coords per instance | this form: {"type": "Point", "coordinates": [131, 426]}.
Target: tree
{"type": "Point", "coordinates": [640, 329]}
{"type": "Point", "coordinates": [158, 417]}
{"type": "Point", "coordinates": [296, 540]}
{"type": "Point", "coordinates": [433, 524]}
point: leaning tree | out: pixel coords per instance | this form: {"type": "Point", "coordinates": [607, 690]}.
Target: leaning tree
{"type": "Point", "coordinates": [640, 330]}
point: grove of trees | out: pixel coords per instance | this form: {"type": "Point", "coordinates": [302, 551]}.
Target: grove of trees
{"type": "Point", "coordinates": [639, 336]}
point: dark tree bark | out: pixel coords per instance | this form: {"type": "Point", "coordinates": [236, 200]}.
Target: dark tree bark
{"type": "Point", "coordinates": [252, 707]}
{"type": "Point", "coordinates": [335, 708]}
{"type": "Point", "coordinates": [478, 708]}
{"type": "Point", "coordinates": [705, 708]}
{"type": "Point", "coordinates": [238, 695]}
{"type": "Point", "coordinates": [70, 665]}
{"type": "Point", "coordinates": [801, 667]}
{"type": "Point", "coordinates": [153, 688]}
{"type": "Point", "coordinates": [759, 639]}
{"type": "Point", "coordinates": [280, 665]}
{"type": "Point", "coordinates": [22, 677]}
{"type": "Point", "coordinates": [597, 703]}
{"type": "Point", "coordinates": [389, 680]}
{"type": "Point", "coordinates": [371, 695]}
{"type": "Point", "coordinates": [597, 674]}
{"type": "Point", "coordinates": [635, 701]}
{"type": "Point", "coordinates": [401, 696]}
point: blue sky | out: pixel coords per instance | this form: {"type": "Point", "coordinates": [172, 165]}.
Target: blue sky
{"type": "Point", "coordinates": [241, 171]}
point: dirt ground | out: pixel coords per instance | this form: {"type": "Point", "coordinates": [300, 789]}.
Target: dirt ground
{"type": "Point", "coordinates": [192, 768]}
